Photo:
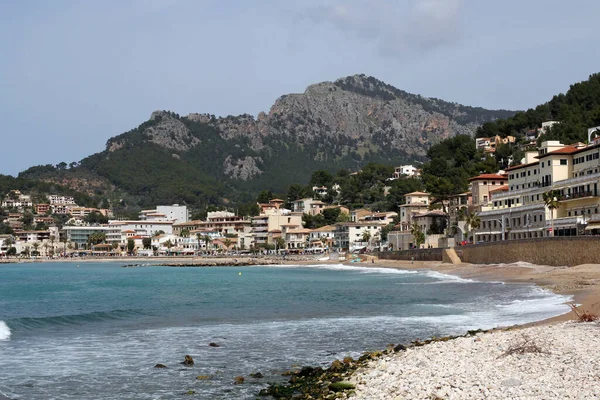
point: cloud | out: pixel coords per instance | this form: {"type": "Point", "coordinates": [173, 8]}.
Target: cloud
{"type": "Point", "coordinates": [398, 27]}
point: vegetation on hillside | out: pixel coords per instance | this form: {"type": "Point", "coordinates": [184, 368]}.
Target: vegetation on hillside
{"type": "Point", "coordinates": [576, 110]}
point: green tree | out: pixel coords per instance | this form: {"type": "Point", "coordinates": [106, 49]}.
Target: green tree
{"type": "Point", "coordinates": [264, 196]}
{"type": "Point", "coordinates": [227, 242]}
{"type": "Point", "coordinates": [330, 215]}
{"type": "Point", "coordinates": [321, 178]}
{"type": "Point", "coordinates": [130, 246]}
{"type": "Point", "coordinates": [185, 233]}
{"type": "Point", "coordinates": [95, 218]}
{"type": "Point", "coordinates": [147, 243]}
{"type": "Point", "coordinates": [280, 243]}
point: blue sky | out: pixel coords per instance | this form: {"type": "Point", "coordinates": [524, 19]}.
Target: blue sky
{"type": "Point", "coordinates": [75, 73]}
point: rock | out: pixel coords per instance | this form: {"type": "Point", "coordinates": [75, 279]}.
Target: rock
{"type": "Point", "coordinates": [342, 385]}
{"type": "Point", "coordinates": [511, 382]}
{"type": "Point", "coordinates": [203, 377]}
{"type": "Point", "coordinates": [238, 380]}
{"type": "Point", "coordinates": [309, 371]}
{"type": "Point", "coordinates": [188, 360]}
{"type": "Point", "coordinates": [257, 375]}
{"type": "Point", "coordinates": [348, 360]}
{"type": "Point", "coordinates": [213, 344]}
{"type": "Point", "coordinates": [336, 365]}
{"type": "Point", "coordinates": [189, 392]}
{"type": "Point", "coordinates": [400, 347]}
{"type": "Point", "coordinates": [160, 366]}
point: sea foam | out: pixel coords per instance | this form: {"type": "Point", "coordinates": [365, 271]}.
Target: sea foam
{"type": "Point", "coordinates": [4, 331]}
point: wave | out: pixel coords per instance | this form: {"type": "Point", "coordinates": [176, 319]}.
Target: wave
{"type": "Point", "coordinates": [342, 267]}
{"type": "Point", "coordinates": [30, 323]}
{"type": "Point", "coordinates": [4, 331]}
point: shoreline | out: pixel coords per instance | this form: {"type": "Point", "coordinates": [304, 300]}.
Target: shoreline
{"type": "Point", "coordinates": [582, 282]}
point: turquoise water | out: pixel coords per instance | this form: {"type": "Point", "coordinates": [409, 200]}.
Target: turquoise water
{"type": "Point", "coordinates": [96, 331]}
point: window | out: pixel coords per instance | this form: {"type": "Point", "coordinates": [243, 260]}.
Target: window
{"type": "Point", "coordinates": [563, 161]}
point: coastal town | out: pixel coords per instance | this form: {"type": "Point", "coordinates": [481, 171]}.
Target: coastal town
{"type": "Point", "coordinates": [552, 192]}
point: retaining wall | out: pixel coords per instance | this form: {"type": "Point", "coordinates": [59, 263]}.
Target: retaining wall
{"type": "Point", "coordinates": [556, 251]}
{"type": "Point", "coordinates": [418, 254]}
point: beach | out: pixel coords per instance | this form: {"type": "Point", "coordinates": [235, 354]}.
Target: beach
{"type": "Point", "coordinates": [549, 359]}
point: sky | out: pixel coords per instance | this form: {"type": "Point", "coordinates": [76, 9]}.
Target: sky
{"type": "Point", "coordinates": [75, 73]}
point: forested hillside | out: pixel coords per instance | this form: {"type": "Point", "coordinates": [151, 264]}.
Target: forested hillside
{"type": "Point", "coordinates": [577, 110]}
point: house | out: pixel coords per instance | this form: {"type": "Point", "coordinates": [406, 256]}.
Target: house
{"type": "Point", "coordinates": [296, 239]}
{"type": "Point", "coordinates": [42, 208]}
{"type": "Point", "coordinates": [414, 203]}
{"type": "Point", "coordinates": [56, 199]}
{"type": "Point", "coordinates": [359, 214]}
{"type": "Point", "coordinates": [382, 218]}
{"type": "Point", "coordinates": [321, 238]}
{"type": "Point", "coordinates": [481, 186]}
{"type": "Point", "coordinates": [16, 200]}
{"type": "Point", "coordinates": [405, 170]}
{"type": "Point", "coordinates": [308, 206]}
{"type": "Point", "coordinates": [352, 235]}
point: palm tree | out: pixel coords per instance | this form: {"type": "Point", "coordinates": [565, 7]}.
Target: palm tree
{"type": "Point", "coordinates": [552, 203]}
{"type": "Point", "coordinates": [366, 236]}
{"type": "Point", "coordinates": [52, 239]}
{"type": "Point", "coordinates": [418, 234]}
{"type": "Point", "coordinates": [36, 245]}
{"type": "Point", "coordinates": [168, 245]}
{"type": "Point", "coordinates": [199, 237]}
{"type": "Point", "coordinates": [473, 222]}
{"type": "Point", "coordinates": [227, 243]}
{"type": "Point", "coordinates": [206, 241]}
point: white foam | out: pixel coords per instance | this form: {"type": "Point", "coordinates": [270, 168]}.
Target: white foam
{"type": "Point", "coordinates": [445, 278]}
{"type": "Point", "coordinates": [342, 267]}
{"type": "Point", "coordinates": [4, 331]}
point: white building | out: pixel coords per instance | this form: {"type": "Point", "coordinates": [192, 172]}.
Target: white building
{"type": "Point", "coordinates": [63, 200]}
{"type": "Point", "coordinates": [405, 170]}
{"type": "Point", "coordinates": [571, 174]}
{"type": "Point", "coordinates": [351, 235]}
{"type": "Point", "coordinates": [144, 228]}
{"type": "Point", "coordinates": [175, 213]}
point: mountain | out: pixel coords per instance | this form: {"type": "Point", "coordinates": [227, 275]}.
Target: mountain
{"type": "Point", "coordinates": [199, 158]}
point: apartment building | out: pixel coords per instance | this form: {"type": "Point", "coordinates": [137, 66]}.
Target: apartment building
{"type": "Point", "coordinates": [570, 173]}
{"type": "Point", "coordinates": [175, 212]}
{"type": "Point", "coordinates": [224, 222]}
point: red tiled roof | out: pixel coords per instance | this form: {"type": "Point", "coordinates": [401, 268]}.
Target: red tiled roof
{"type": "Point", "coordinates": [564, 150]}
{"type": "Point", "coordinates": [487, 177]}
{"type": "Point", "coordinates": [502, 188]}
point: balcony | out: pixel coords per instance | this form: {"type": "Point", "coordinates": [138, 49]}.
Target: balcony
{"type": "Point", "coordinates": [577, 195]}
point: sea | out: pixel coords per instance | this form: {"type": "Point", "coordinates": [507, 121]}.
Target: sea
{"type": "Point", "coordinates": [96, 330]}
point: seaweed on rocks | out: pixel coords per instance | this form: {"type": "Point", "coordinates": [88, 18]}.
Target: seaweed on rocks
{"type": "Point", "coordinates": [333, 383]}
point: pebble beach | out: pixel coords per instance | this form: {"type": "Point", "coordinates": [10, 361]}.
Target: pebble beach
{"type": "Point", "coordinates": [557, 361]}
{"type": "Point", "coordinates": [553, 359]}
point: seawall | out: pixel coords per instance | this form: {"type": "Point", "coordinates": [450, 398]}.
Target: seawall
{"type": "Point", "coordinates": [557, 251]}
